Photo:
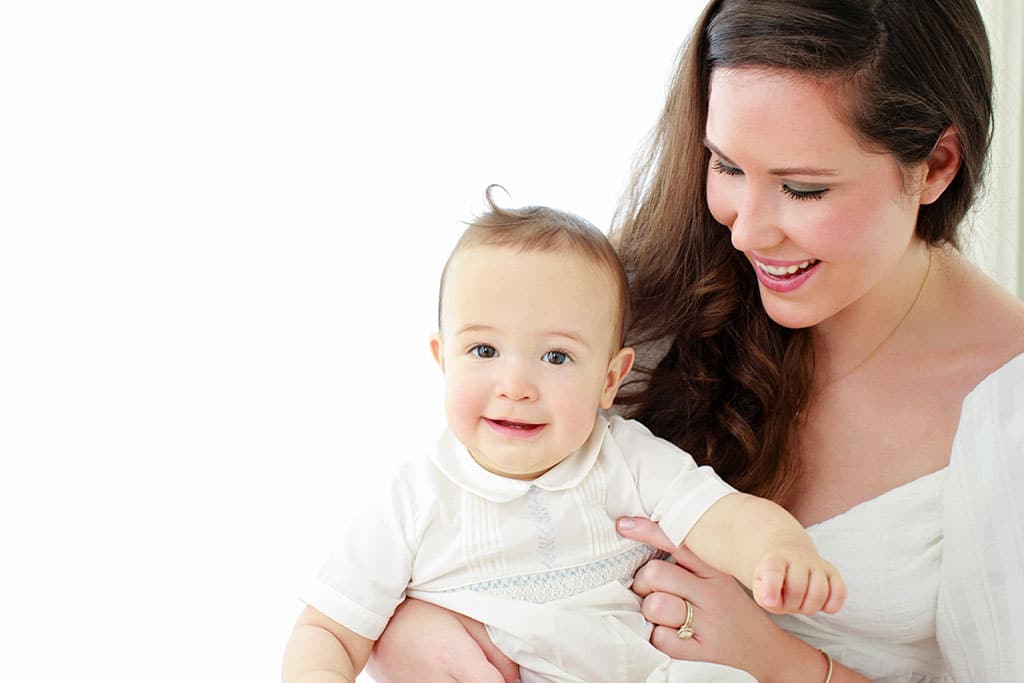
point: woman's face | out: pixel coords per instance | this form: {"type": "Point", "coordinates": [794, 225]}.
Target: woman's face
{"type": "Point", "coordinates": [824, 223]}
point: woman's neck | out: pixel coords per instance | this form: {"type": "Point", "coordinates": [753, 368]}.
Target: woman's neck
{"type": "Point", "coordinates": [853, 338]}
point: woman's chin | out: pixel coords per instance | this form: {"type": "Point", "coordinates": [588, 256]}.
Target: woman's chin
{"type": "Point", "coordinates": [789, 314]}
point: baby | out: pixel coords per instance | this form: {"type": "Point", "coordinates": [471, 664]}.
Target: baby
{"type": "Point", "coordinates": [511, 520]}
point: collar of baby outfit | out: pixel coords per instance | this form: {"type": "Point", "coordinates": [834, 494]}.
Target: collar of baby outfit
{"type": "Point", "coordinates": [454, 460]}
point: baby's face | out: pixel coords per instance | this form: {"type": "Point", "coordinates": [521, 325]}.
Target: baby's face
{"type": "Point", "coordinates": [527, 347]}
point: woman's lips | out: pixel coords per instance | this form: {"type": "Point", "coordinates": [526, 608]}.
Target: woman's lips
{"type": "Point", "coordinates": [780, 277]}
{"type": "Point", "coordinates": [513, 429]}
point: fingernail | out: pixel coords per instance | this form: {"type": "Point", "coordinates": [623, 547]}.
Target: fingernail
{"type": "Point", "coordinates": [627, 523]}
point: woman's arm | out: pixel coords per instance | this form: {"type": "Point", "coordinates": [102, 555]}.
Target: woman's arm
{"type": "Point", "coordinates": [430, 644]}
{"type": "Point", "coordinates": [729, 628]}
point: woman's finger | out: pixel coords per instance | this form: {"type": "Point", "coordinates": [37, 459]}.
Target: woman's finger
{"type": "Point", "coordinates": [643, 530]}
{"type": "Point", "coordinates": [659, 576]}
{"type": "Point", "coordinates": [666, 639]}
{"type": "Point", "coordinates": [664, 608]}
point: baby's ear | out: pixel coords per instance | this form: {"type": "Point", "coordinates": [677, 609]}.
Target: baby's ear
{"type": "Point", "coordinates": [618, 368]}
{"type": "Point", "coordinates": [437, 350]}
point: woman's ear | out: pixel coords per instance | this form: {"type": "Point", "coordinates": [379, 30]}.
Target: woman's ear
{"type": "Point", "coordinates": [437, 350]}
{"type": "Point", "coordinates": [618, 368]}
{"type": "Point", "coordinates": [942, 164]}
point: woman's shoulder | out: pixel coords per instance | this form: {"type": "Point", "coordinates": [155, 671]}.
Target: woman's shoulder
{"type": "Point", "coordinates": [991, 320]}
{"type": "Point", "coordinates": [984, 330]}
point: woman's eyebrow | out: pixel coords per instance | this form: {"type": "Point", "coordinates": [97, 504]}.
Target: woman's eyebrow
{"type": "Point", "coordinates": [788, 171]}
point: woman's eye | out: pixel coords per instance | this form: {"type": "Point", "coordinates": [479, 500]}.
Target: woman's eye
{"type": "Point", "coordinates": [720, 167]}
{"type": "Point", "coordinates": [484, 351]}
{"type": "Point", "coordinates": [556, 357]}
{"type": "Point", "coordinates": [801, 193]}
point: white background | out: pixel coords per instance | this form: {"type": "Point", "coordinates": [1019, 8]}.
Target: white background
{"type": "Point", "coordinates": [221, 227]}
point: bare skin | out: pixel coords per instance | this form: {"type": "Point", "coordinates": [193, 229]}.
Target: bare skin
{"type": "Point", "coordinates": [966, 327]}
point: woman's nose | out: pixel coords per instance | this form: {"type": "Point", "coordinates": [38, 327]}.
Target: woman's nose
{"type": "Point", "coordinates": [754, 225]}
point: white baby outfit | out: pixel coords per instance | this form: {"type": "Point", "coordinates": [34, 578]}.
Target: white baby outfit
{"type": "Point", "coordinates": [539, 562]}
{"type": "Point", "coordinates": [935, 568]}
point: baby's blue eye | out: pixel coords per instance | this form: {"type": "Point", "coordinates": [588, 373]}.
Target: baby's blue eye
{"type": "Point", "coordinates": [556, 357]}
{"type": "Point", "coordinates": [484, 351]}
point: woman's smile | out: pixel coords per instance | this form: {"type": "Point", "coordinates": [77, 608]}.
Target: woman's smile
{"type": "Point", "coordinates": [784, 278]}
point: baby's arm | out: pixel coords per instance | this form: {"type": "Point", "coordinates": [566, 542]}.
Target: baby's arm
{"type": "Point", "coordinates": [321, 650]}
{"type": "Point", "coordinates": [764, 547]}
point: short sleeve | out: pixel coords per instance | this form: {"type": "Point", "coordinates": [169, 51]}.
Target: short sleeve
{"type": "Point", "coordinates": [366, 575]}
{"type": "Point", "coordinates": [980, 613]}
{"type": "Point", "coordinates": [674, 490]}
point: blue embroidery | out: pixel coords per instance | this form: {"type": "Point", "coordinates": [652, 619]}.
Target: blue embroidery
{"type": "Point", "coordinates": [562, 583]}
{"type": "Point", "coordinates": [542, 524]}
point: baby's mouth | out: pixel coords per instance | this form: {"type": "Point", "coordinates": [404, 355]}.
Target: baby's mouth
{"type": "Point", "coordinates": [514, 427]}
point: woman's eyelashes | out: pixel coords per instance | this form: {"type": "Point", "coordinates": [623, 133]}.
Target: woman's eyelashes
{"type": "Point", "coordinates": [789, 189]}
{"type": "Point", "coordinates": [801, 193]}
{"type": "Point", "coordinates": [721, 167]}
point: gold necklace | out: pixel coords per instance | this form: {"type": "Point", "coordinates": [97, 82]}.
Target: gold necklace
{"type": "Point", "coordinates": [889, 336]}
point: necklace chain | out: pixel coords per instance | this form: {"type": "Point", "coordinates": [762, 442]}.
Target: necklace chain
{"type": "Point", "coordinates": [889, 336]}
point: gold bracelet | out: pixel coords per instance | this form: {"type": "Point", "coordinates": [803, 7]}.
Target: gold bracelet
{"type": "Point", "coordinates": [828, 658]}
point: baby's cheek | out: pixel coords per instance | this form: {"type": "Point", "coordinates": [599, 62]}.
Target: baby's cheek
{"type": "Point", "coordinates": [462, 405]}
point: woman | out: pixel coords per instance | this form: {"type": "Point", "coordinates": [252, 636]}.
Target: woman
{"type": "Point", "coordinates": [819, 340]}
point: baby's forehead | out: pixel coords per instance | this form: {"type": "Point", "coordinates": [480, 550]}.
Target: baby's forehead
{"type": "Point", "coordinates": [558, 284]}
{"type": "Point", "coordinates": [478, 262]}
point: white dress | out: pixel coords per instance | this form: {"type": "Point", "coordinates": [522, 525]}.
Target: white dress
{"type": "Point", "coordinates": [935, 567]}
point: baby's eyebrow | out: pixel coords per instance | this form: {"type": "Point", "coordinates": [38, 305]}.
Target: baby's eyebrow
{"type": "Point", "coordinates": [474, 328]}
{"type": "Point", "coordinates": [787, 171]}
{"type": "Point", "coordinates": [570, 335]}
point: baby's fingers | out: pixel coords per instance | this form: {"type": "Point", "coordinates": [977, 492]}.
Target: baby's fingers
{"type": "Point", "coordinates": [837, 593]}
{"type": "Point", "coordinates": [818, 592]}
{"type": "Point", "coordinates": [769, 580]}
{"type": "Point", "coordinates": [794, 590]}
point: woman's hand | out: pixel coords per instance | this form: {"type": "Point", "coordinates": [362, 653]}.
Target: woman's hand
{"type": "Point", "coordinates": [429, 644]}
{"type": "Point", "coordinates": [728, 626]}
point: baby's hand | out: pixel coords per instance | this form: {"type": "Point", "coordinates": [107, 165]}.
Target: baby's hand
{"type": "Point", "coordinates": [797, 580]}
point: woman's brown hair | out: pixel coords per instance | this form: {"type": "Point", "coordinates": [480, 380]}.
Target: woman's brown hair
{"type": "Point", "coordinates": [732, 383]}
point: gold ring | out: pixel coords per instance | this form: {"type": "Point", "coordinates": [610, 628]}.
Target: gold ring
{"type": "Point", "coordinates": [686, 630]}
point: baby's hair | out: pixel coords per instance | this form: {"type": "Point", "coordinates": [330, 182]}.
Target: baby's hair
{"type": "Point", "coordinates": [541, 228]}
